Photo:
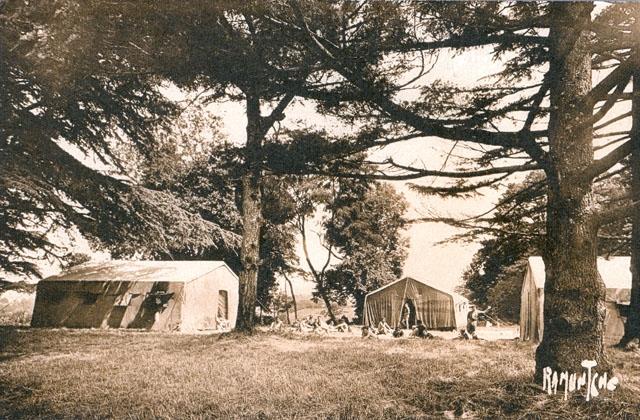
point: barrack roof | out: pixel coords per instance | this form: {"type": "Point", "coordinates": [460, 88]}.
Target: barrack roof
{"type": "Point", "coordinates": [123, 270]}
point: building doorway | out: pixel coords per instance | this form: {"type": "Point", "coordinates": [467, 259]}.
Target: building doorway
{"type": "Point", "coordinates": [222, 315]}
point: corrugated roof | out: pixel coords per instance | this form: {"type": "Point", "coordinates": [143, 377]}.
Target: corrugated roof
{"type": "Point", "coordinates": [121, 270]}
{"type": "Point", "coordinates": [615, 271]}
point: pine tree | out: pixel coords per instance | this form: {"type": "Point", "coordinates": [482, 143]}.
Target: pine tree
{"type": "Point", "coordinates": [559, 113]}
{"type": "Point", "coordinates": [68, 91]}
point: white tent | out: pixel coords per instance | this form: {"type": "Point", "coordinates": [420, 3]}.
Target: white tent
{"type": "Point", "coordinates": [156, 295]}
{"type": "Point", "coordinates": [616, 275]}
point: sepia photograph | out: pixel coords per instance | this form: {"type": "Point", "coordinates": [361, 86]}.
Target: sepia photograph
{"type": "Point", "coordinates": [319, 209]}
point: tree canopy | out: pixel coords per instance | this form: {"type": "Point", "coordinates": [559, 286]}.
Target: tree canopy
{"type": "Point", "coordinates": [368, 232]}
{"type": "Point", "coordinates": [67, 91]}
{"type": "Point", "coordinates": [541, 110]}
{"type": "Point", "coordinates": [362, 233]}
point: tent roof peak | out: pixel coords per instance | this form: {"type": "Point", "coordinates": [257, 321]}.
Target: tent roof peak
{"type": "Point", "coordinates": [456, 296]}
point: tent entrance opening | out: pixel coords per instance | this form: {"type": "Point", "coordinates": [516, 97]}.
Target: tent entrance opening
{"type": "Point", "coordinates": [408, 318]}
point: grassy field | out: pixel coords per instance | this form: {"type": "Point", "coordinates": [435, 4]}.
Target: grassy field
{"type": "Point", "coordinates": [74, 373]}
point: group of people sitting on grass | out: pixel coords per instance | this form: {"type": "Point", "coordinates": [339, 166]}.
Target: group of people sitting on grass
{"type": "Point", "coordinates": [419, 330]}
{"type": "Point", "coordinates": [319, 325]}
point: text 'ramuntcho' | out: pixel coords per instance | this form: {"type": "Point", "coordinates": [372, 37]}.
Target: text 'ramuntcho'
{"type": "Point", "coordinates": [593, 381]}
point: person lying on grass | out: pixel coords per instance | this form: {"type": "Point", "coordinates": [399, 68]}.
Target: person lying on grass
{"type": "Point", "coordinates": [397, 333]}
{"type": "Point", "coordinates": [383, 327]}
{"type": "Point", "coordinates": [420, 330]}
{"type": "Point", "coordinates": [305, 325]}
{"type": "Point", "coordinates": [368, 332]}
{"type": "Point", "coordinates": [311, 324]}
{"type": "Point", "coordinates": [322, 326]}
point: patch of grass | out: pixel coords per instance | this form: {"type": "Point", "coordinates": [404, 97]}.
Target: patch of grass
{"type": "Point", "coordinates": [93, 373]}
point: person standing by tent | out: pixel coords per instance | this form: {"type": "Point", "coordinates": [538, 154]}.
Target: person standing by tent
{"type": "Point", "coordinates": [406, 314]}
{"type": "Point", "coordinates": [472, 320]}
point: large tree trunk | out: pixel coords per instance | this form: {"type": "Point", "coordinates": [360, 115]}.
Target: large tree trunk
{"type": "Point", "coordinates": [632, 326]}
{"type": "Point", "coordinates": [251, 218]}
{"type": "Point", "coordinates": [574, 292]}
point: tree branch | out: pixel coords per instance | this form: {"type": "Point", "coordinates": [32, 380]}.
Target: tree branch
{"type": "Point", "coordinates": [535, 106]}
{"type": "Point", "coordinates": [614, 213]}
{"type": "Point", "coordinates": [603, 164]}
{"type": "Point", "coordinates": [277, 114]}
{"type": "Point", "coordinates": [457, 190]}
{"type": "Point", "coordinates": [609, 103]}
{"type": "Point", "coordinates": [613, 120]}
{"type": "Point", "coordinates": [618, 76]}
{"type": "Point", "coordinates": [430, 127]}
{"type": "Point", "coordinates": [472, 41]}
{"type": "Point", "coordinates": [465, 225]}
{"type": "Point", "coordinates": [459, 174]}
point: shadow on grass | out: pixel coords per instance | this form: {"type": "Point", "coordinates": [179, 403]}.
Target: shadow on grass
{"type": "Point", "coordinates": [10, 347]}
{"type": "Point", "coordinates": [11, 397]}
{"type": "Point", "coordinates": [330, 377]}
{"type": "Point", "coordinates": [476, 397]}
{"type": "Point", "coordinates": [510, 397]}
{"type": "Point", "coordinates": [7, 335]}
